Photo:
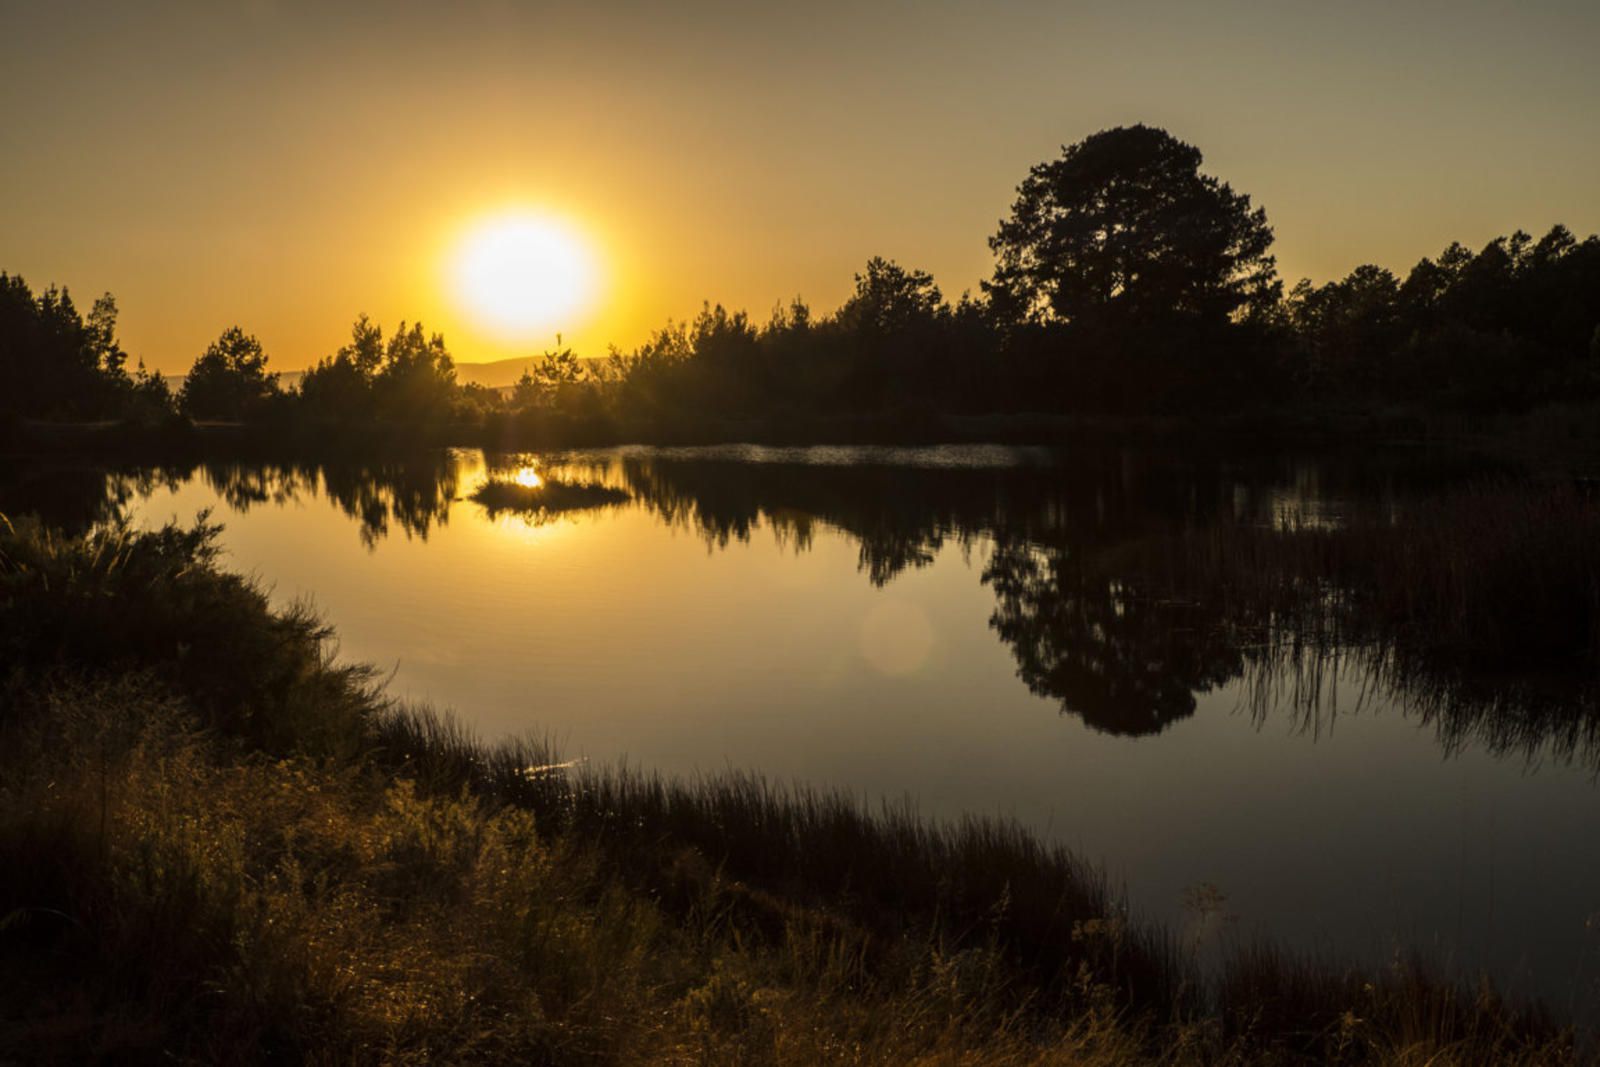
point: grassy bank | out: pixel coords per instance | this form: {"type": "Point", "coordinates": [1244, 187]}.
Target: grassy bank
{"type": "Point", "coordinates": [223, 846]}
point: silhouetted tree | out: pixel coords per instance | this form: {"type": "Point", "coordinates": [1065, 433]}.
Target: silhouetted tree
{"type": "Point", "coordinates": [892, 327]}
{"type": "Point", "coordinates": [340, 385]}
{"type": "Point", "coordinates": [1348, 330]}
{"type": "Point", "coordinates": [150, 399]}
{"type": "Point", "coordinates": [727, 369]}
{"type": "Point", "coordinates": [417, 383]}
{"type": "Point", "coordinates": [410, 380]}
{"type": "Point", "coordinates": [1126, 280]}
{"type": "Point", "coordinates": [101, 330]}
{"type": "Point", "coordinates": [1125, 225]}
{"type": "Point", "coordinates": [890, 299]}
{"type": "Point", "coordinates": [560, 381]}
{"type": "Point", "coordinates": [546, 375]}
{"type": "Point", "coordinates": [1503, 328]}
{"type": "Point", "coordinates": [54, 362]}
{"type": "Point", "coordinates": [229, 380]}
{"type": "Point", "coordinates": [800, 350]}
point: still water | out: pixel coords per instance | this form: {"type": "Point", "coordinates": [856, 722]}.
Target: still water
{"type": "Point", "coordinates": [925, 625]}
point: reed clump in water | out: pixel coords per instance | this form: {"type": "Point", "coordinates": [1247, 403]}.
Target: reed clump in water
{"type": "Point", "coordinates": [546, 498]}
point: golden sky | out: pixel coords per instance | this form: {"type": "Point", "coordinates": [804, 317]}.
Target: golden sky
{"type": "Point", "coordinates": [284, 166]}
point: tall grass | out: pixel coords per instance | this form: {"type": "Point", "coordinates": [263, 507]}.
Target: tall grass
{"type": "Point", "coordinates": [886, 872]}
{"type": "Point", "coordinates": [225, 854]}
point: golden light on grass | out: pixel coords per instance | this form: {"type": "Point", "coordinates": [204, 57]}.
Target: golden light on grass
{"type": "Point", "coordinates": [521, 273]}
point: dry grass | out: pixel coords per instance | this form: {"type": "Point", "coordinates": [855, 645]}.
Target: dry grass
{"type": "Point", "coordinates": [171, 901]}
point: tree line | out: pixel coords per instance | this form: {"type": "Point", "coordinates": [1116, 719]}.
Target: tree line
{"type": "Point", "coordinates": [1126, 281]}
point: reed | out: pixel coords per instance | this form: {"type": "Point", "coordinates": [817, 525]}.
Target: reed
{"type": "Point", "coordinates": [1504, 570]}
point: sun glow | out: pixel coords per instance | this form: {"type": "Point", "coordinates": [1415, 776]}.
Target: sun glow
{"type": "Point", "coordinates": [523, 273]}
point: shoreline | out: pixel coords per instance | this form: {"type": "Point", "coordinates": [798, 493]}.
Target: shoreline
{"type": "Point", "coordinates": [1562, 435]}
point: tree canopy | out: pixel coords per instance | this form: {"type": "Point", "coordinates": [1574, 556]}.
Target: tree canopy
{"type": "Point", "coordinates": [1125, 225]}
{"type": "Point", "coordinates": [409, 379]}
{"type": "Point", "coordinates": [1125, 281]}
{"type": "Point", "coordinates": [55, 361]}
{"type": "Point", "coordinates": [229, 380]}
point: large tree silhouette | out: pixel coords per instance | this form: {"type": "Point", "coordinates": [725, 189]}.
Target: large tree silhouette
{"type": "Point", "coordinates": [1123, 224]}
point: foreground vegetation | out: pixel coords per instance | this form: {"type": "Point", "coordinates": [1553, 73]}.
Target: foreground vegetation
{"type": "Point", "coordinates": [221, 845]}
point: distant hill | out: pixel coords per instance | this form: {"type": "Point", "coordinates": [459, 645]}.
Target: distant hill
{"type": "Point", "coordinates": [501, 372]}
{"type": "Point", "coordinates": [496, 375]}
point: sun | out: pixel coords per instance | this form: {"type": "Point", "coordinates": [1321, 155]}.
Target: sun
{"type": "Point", "coordinates": [523, 273]}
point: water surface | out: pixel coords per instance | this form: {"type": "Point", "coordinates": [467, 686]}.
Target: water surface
{"type": "Point", "coordinates": [950, 627]}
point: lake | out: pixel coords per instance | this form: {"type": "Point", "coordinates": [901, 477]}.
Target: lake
{"type": "Point", "coordinates": [967, 630]}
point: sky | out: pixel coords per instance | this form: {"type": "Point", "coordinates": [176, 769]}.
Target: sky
{"type": "Point", "coordinates": [286, 166]}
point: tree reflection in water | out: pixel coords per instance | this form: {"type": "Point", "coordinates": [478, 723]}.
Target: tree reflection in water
{"type": "Point", "coordinates": [1125, 585]}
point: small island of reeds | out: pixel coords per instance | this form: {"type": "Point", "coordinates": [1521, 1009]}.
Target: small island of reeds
{"type": "Point", "coordinates": [545, 498]}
